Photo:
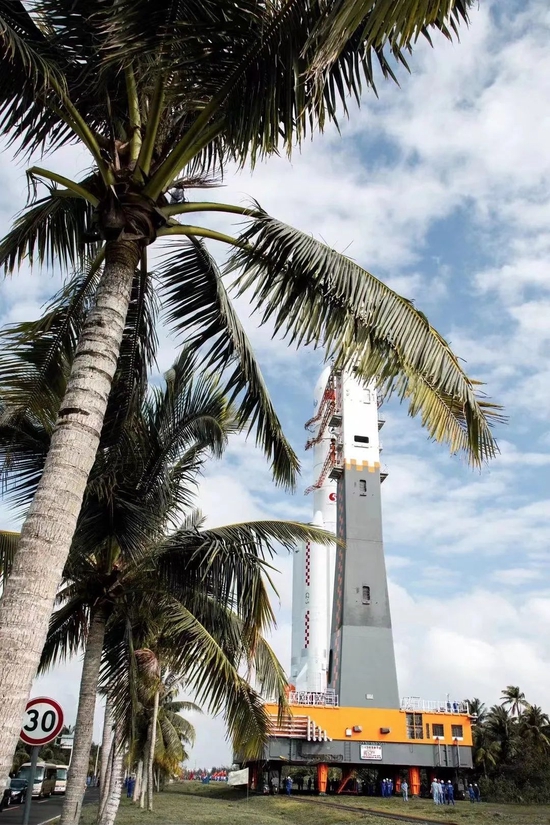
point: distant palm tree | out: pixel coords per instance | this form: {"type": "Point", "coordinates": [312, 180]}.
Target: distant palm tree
{"type": "Point", "coordinates": [534, 727]}
{"type": "Point", "coordinates": [158, 733]}
{"type": "Point", "coordinates": [174, 734]}
{"type": "Point", "coordinates": [487, 750]}
{"type": "Point", "coordinates": [162, 96]}
{"type": "Point", "coordinates": [477, 708]}
{"type": "Point", "coordinates": [514, 699]}
{"type": "Point", "coordinates": [501, 727]}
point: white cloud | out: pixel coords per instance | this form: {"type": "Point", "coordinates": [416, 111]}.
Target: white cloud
{"type": "Point", "coordinates": [516, 576]}
{"type": "Point", "coordinates": [471, 644]}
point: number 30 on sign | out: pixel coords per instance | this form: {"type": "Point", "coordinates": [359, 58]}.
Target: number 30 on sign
{"type": "Point", "coordinates": [43, 721]}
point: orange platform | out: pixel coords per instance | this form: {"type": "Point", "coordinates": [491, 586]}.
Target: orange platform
{"type": "Point", "coordinates": [380, 724]}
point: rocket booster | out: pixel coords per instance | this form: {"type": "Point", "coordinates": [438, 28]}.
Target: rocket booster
{"type": "Point", "coordinates": [341, 418]}
{"type": "Point", "coordinates": [313, 571]}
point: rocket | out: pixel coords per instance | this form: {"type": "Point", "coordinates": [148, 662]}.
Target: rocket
{"type": "Point", "coordinates": [344, 438]}
{"type": "Point", "coordinates": [313, 564]}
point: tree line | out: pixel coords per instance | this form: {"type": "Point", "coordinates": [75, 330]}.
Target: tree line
{"type": "Point", "coordinates": [512, 749]}
{"type": "Point", "coordinates": [163, 96]}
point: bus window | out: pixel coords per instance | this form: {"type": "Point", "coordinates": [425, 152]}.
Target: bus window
{"type": "Point", "coordinates": [61, 779]}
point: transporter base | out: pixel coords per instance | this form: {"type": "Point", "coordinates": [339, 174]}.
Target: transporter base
{"type": "Point", "coordinates": [416, 742]}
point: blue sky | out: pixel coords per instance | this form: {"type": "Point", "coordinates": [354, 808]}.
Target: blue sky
{"type": "Point", "coordinates": [442, 188]}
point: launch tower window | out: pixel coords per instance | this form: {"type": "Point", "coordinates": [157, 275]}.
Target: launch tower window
{"type": "Point", "coordinates": [362, 487]}
{"type": "Point", "coordinates": [427, 730]}
{"type": "Point", "coordinates": [361, 439]}
{"type": "Point", "coordinates": [366, 594]}
{"type": "Point", "coordinates": [457, 731]}
{"type": "Point", "coordinates": [438, 730]}
{"type": "Point", "coordinates": [415, 729]}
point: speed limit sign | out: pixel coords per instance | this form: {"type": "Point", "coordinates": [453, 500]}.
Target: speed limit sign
{"type": "Point", "coordinates": [43, 721]}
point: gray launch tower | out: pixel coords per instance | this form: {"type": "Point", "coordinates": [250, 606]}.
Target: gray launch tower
{"type": "Point", "coordinates": [361, 661]}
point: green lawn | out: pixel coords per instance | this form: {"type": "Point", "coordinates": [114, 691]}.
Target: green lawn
{"type": "Point", "coordinates": [190, 803]}
{"type": "Point", "coordinates": [463, 812]}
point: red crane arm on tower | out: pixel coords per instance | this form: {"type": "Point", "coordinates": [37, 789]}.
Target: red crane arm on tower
{"type": "Point", "coordinates": [329, 463]}
{"type": "Point", "coordinates": [326, 407]}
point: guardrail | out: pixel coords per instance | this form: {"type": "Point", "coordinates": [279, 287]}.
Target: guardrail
{"type": "Point", "coordinates": [415, 703]}
{"type": "Point", "coordinates": [313, 699]}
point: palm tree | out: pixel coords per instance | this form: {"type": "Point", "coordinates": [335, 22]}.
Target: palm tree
{"type": "Point", "coordinates": [534, 727]}
{"type": "Point", "coordinates": [159, 732]}
{"type": "Point", "coordinates": [514, 699]}
{"type": "Point", "coordinates": [477, 708]}
{"type": "Point", "coordinates": [501, 727]}
{"type": "Point", "coordinates": [486, 749]}
{"type": "Point", "coordinates": [124, 569]}
{"type": "Point", "coordinates": [174, 734]}
{"type": "Point", "coordinates": [162, 97]}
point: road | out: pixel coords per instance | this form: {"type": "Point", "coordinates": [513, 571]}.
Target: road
{"type": "Point", "coordinates": [42, 810]}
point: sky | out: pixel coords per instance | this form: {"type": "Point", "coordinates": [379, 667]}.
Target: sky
{"type": "Point", "coordinates": [441, 187]}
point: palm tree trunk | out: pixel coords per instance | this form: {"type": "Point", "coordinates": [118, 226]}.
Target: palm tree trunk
{"type": "Point", "coordinates": [106, 741]}
{"type": "Point", "coordinates": [48, 530]}
{"type": "Point", "coordinates": [110, 810]}
{"type": "Point", "coordinates": [139, 781]}
{"type": "Point", "coordinates": [106, 789]}
{"type": "Point", "coordinates": [84, 728]}
{"type": "Point", "coordinates": [152, 743]}
{"type": "Point", "coordinates": [145, 775]}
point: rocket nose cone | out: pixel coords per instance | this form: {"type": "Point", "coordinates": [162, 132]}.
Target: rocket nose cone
{"type": "Point", "coordinates": [318, 520]}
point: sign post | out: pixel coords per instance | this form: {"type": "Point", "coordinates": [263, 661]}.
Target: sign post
{"type": "Point", "coordinates": [28, 795]}
{"type": "Point", "coordinates": [239, 778]}
{"type": "Point", "coordinates": [43, 722]}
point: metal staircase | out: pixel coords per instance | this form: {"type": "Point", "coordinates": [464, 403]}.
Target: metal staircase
{"type": "Point", "coordinates": [298, 727]}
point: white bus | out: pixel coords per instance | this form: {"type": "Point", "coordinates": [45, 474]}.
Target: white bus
{"type": "Point", "coordinates": [61, 778]}
{"type": "Point", "coordinates": [44, 778]}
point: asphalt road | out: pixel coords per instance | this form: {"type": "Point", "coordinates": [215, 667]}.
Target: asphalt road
{"type": "Point", "coordinates": [42, 810]}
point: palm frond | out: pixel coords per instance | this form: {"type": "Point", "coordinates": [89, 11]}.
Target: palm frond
{"type": "Point", "coordinates": [21, 43]}
{"type": "Point", "coordinates": [36, 355]}
{"type": "Point", "coordinates": [379, 24]}
{"type": "Point", "coordinates": [180, 706]}
{"type": "Point", "coordinates": [314, 295]}
{"type": "Point", "coordinates": [33, 81]}
{"type": "Point", "coordinates": [198, 307]}
{"type": "Point", "coordinates": [67, 632]}
{"type": "Point", "coordinates": [169, 739]}
{"type": "Point", "coordinates": [228, 564]}
{"type": "Point", "coordinates": [191, 412]}
{"type": "Point", "coordinates": [35, 360]}
{"type": "Point", "coordinates": [50, 231]}
{"type": "Point", "coordinates": [217, 682]}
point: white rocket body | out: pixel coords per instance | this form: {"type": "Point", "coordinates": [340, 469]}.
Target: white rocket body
{"type": "Point", "coordinates": [313, 566]}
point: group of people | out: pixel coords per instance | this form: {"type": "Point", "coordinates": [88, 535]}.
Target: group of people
{"type": "Point", "coordinates": [130, 784]}
{"type": "Point", "coordinates": [443, 792]}
{"type": "Point", "coordinates": [474, 793]}
{"type": "Point", "coordinates": [387, 787]}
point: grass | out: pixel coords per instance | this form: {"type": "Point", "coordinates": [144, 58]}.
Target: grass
{"type": "Point", "coordinates": [462, 812]}
{"type": "Point", "coordinates": [190, 803]}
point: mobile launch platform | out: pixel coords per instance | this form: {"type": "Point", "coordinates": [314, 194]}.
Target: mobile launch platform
{"type": "Point", "coordinates": [343, 706]}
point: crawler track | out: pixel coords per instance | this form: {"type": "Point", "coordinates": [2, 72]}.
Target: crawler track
{"type": "Point", "coordinates": [418, 820]}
